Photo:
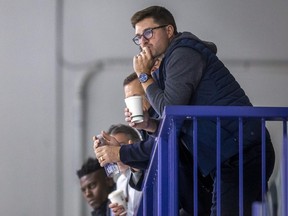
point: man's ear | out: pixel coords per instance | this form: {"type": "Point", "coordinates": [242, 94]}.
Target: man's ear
{"type": "Point", "coordinates": [170, 31]}
{"type": "Point", "coordinates": [130, 142]}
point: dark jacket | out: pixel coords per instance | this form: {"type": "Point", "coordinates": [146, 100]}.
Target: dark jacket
{"type": "Point", "coordinates": [137, 155]}
{"type": "Point", "coordinates": [103, 210]}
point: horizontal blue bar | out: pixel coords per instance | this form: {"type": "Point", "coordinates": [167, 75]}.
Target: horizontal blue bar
{"type": "Point", "coordinates": [275, 113]}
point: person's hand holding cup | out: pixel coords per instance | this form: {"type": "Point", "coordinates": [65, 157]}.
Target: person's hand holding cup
{"type": "Point", "coordinates": [134, 104]}
{"type": "Point", "coordinates": [117, 197]}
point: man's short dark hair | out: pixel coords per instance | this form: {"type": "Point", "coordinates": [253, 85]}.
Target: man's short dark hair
{"type": "Point", "coordinates": [90, 165]}
{"type": "Point", "coordinates": [159, 14]}
{"type": "Point", "coordinates": [130, 78]}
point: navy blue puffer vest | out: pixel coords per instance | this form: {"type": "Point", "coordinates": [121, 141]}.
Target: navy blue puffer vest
{"type": "Point", "coordinates": [217, 88]}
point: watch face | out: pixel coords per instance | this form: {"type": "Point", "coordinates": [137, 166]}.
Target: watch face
{"type": "Point", "coordinates": [143, 77]}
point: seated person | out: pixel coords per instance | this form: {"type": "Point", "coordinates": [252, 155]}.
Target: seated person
{"type": "Point", "coordinates": [95, 186]}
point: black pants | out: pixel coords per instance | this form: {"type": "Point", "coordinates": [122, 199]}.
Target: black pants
{"type": "Point", "coordinates": [205, 186]}
{"type": "Point", "coordinates": [252, 187]}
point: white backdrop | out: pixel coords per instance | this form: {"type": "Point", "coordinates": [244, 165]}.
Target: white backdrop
{"type": "Point", "coordinates": [53, 71]}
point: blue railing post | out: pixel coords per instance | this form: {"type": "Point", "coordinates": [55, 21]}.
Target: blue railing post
{"type": "Point", "coordinates": [173, 171]}
{"type": "Point", "coordinates": [195, 165]}
{"type": "Point", "coordinates": [284, 169]}
{"type": "Point", "coordinates": [263, 165]}
{"type": "Point", "coordinates": [162, 197]}
{"type": "Point", "coordinates": [168, 177]}
{"type": "Point", "coordinates": [241, 196]}
{"type": "Point", "coordinates": [218, 166]}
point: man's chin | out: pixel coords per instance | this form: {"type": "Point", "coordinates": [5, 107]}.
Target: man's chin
{"type": "Point", "coordinates": [94, 204]}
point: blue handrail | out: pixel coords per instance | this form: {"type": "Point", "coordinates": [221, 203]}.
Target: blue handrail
{"type": "Point", "coordinates": [160, 190]}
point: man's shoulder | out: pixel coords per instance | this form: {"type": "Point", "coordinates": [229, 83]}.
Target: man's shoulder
{"type": "Point", "coordinates": [187, 39]}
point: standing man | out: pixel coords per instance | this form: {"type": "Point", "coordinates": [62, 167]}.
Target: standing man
{"type": "Point", "coordinates": [191, 74]}
{"type": "Point", "coordinates": [138, 155]}
{"type": "Point", "coordinates": [95, 186]}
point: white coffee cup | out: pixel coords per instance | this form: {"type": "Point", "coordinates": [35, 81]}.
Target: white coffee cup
{"type": "Point", "coordinates": [134, 104]}
{"type": "Point", "coordinates": [118, 197]}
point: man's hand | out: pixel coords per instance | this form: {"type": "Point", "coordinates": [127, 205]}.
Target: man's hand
{"type": "Point", "coordinates": [143, 62]}
{"type": "Point", "coordinates": [148, 124]}
{"type": "Point", "coordinates": [108, 150]}
{"type": "Point", "coordinates": [118, 210]}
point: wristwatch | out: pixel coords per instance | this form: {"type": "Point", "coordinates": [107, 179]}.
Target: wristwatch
{"type": "Point", "coordinates": [143, 77]}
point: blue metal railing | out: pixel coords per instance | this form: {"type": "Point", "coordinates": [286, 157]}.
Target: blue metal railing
{"type": "Point", "coordinates": [160, 190]}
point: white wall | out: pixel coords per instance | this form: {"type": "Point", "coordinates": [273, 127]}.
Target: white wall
{"type": "Point", "coordinates": [27, 113]}
{"type": "Point", "coordinates": [43, 143]}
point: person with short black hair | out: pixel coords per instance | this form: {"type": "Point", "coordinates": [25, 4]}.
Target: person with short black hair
{"type": "Point", "coordinates": [95, 186]}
